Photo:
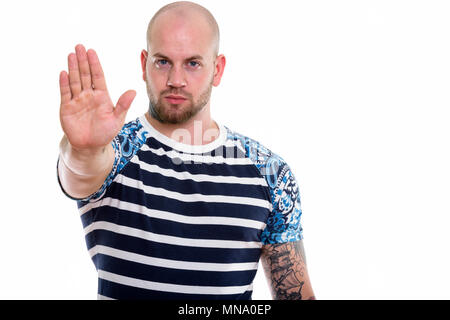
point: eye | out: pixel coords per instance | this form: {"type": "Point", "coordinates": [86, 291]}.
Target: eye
{"type": "Point", "coordinates": [162, 62]}
{"type": "Point", "coordinates": [193, 64]}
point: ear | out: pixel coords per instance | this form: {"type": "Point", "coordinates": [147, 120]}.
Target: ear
{"type": "Point", "coordinates": [144, 57]}
{"type": "Point", "coordinates": [219, 68]}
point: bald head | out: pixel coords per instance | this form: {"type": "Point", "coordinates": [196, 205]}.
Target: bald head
{"type": "Point", "coordinates": [185, 12]}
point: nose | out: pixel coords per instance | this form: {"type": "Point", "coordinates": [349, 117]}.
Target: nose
{"type": "Point", "coordinates": [176, 78]}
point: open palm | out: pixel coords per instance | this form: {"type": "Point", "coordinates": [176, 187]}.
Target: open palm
{"type": "Point", "coordinates": [88, 117]}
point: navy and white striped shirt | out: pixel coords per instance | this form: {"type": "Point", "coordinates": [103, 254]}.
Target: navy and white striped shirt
{"type": "Point", "coordinates": [175, 221]}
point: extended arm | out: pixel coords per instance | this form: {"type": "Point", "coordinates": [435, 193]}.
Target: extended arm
{"type": "Point", "coordinates": [82, 172]}
{"type": "Point", "coordinates": [90, 122]}
{"type": "Point", "coordinates": [285, 269]}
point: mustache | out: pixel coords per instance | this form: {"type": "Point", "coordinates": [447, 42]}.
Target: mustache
{"type": "Point", "coordinates": [178, 92]}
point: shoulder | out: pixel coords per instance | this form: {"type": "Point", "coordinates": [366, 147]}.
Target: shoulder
{"type": "Point", "coordinates": [269, 163]}
{"type": "Point", "coordinates": [283, 223]}
{"type": "Point", "coordinates": [253, 149]}
{"type": "Point", "coordinates": [133, 131]}
{"type": "Point", "coordinates": [128, 141]}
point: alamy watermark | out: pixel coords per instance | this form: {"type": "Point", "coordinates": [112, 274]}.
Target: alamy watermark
{"type": "Point", "coordinates": [221, 153]}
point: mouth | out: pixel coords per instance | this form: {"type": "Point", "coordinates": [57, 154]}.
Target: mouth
{"type": "Point", "coordinates": [175, 99]}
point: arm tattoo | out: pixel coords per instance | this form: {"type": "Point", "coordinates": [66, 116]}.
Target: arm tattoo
{"type": "Point", "coordinates": [285, 267]}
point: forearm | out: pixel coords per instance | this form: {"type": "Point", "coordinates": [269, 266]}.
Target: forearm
{"type": "Point", "coordinates": [286, 272]}
{"type": "Point", "coordinates": [82, 172]}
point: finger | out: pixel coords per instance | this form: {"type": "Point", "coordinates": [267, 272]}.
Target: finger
{"type": "Point", "coordinates": [124, 103]}
{"type": "Point", "coordinates": [74, 75]}
{"type": "Point", "coordinates": [85, 73]}
{"type": "Point", "coordinates": [64, 87]}
{"type": "Point", "coordinates": [98, 78]}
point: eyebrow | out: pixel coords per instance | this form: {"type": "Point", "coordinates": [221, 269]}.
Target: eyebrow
{"type": "Point", "coordinates": [195, 57]}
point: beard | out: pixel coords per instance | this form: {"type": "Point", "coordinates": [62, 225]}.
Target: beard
{"type": "Point", "coordinates": [165, 112]}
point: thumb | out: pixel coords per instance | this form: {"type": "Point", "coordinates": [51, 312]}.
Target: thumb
{"type": "Point", "coordinates": [124, 103]}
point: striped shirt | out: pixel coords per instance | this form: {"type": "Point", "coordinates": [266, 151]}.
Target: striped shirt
{"type": "Point", "coordinates": [176, 221]}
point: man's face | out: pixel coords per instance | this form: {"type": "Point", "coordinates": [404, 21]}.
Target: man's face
{"type": "Point", "coordinates": [179, 69]}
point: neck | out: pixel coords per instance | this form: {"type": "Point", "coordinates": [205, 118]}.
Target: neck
{"type": "Point", "coordinates": [199, 130]}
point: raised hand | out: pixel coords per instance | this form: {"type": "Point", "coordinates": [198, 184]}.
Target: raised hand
{"type": "Point", "coordinates": [88, 117]}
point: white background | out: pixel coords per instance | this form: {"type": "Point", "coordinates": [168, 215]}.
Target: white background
{"type": "Point", "coordinates": [354, 95]}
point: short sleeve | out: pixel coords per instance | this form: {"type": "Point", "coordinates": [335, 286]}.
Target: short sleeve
{"type": "Point", "coordinates": [283, 224]}
{"type": "Point", "coordinates": [126, 144]}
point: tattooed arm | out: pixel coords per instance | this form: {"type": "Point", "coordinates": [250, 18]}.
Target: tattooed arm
{"type": "Point", "coordinates": [285, 268]}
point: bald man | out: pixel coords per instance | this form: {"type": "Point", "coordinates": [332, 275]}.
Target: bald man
{"type": "Point", "coordinates": [175, 205]}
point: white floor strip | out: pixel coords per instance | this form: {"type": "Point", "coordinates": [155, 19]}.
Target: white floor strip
{"type": "Point", "coordinates": [100, 297]}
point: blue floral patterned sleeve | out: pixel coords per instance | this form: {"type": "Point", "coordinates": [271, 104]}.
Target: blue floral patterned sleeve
{"type": "Point", "coordinates": [126, 144]}
{"type": "Point", "coordinates": [283, 224]}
